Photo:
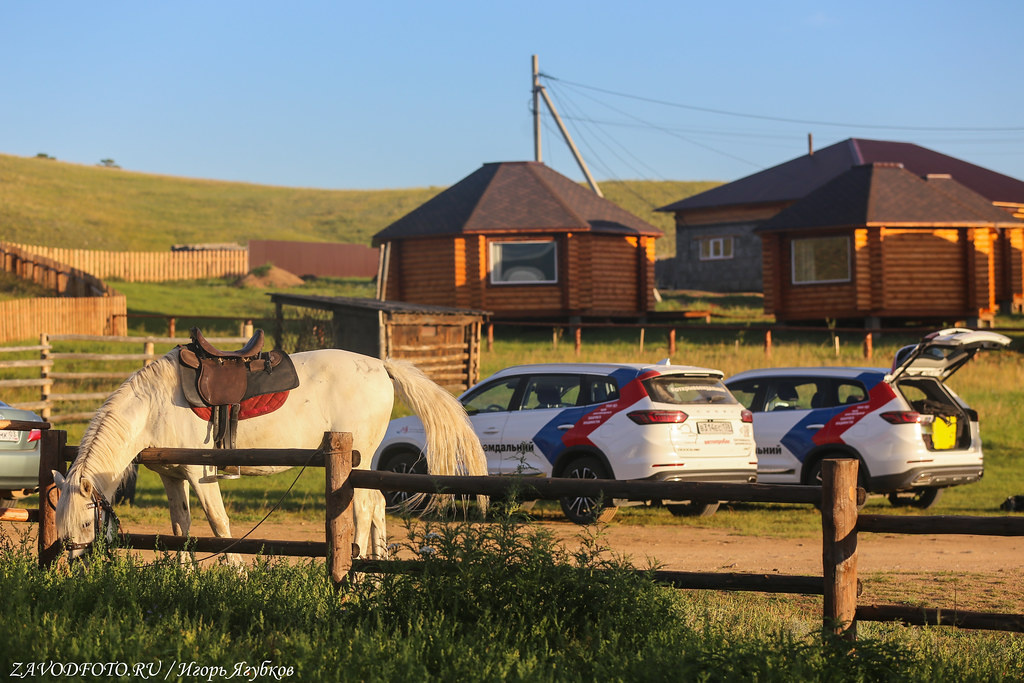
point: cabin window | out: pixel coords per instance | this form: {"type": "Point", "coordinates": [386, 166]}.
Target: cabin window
{"type": "Point", "coordinates": [715, 248]}
{"type": "Point", "coordinates": [524, 262]}
{"type": "Point", "coordinates": [821, 259]}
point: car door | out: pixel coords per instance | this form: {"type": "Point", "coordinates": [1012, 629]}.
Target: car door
{"type": "Point", "coordinates": [784, 423]}
{"type": "Point", "coordinates": [488, 407]}
{"type": "Point", "coordinates": [533, 434]}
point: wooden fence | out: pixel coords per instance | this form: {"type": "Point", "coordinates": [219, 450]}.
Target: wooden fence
{"type": "Point", "coordinates": [838, 497]}
{"type": "Point", "coordinates": [335, 455]}
{"type": "Point", "coordinates": [74, 373]}
{"type": "Point", "coordinates": [864, 338]}
{"type": "Point", "coordinates": [29, 318]}
{"type": "Point", "coordinates": [63, 278]}
{"type": "Point", "coordinates": [148, 266]}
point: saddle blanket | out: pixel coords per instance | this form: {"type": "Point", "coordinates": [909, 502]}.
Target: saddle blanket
{"type": "Point", "coordinates": [250, 407]}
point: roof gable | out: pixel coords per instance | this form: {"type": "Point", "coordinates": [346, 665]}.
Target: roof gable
{"type": "Point", "coordinates": [881, 193]}
{"type": "Point", "coordinates": [515, 196]}
{"type": "Point", "coordinates": [796, 178]}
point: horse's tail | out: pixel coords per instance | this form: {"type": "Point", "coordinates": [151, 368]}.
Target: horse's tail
{"type": "Point", "coordinates": [452, 447]}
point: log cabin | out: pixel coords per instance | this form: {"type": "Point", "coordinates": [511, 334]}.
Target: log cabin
{"type": "Point", "coordinates": [881, 244]}
{"type": "Point", "coordinates": [522, 242]}
{"type": "Point", "coordinates": [717, 248]}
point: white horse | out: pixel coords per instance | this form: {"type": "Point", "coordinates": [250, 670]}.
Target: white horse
{"type": "Point", "coordinates": [338, 391]}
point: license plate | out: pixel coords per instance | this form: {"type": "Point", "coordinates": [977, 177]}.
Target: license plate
{"type": "Point", "coordinates": [714, 428]}
{"type": "Point", "coordinates": [10, 435]}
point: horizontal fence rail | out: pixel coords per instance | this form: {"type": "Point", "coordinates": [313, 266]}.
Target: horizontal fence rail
{"type": "Point", "coordinates": [534, 488]}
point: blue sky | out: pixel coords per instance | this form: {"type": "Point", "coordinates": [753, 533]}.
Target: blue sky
{"type": "Point", "coordinates": [343, 95]}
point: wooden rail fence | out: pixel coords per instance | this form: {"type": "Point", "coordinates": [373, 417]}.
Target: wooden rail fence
{"type": "Point", "coordinates": [837, 337]}
{"type": "Point", "coordinates": [64, 369]}
{"type": "Point", "coordinates": [838, 497]}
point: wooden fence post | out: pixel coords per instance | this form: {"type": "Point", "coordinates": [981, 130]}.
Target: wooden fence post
{"type": "Point", "coordinates": [868, 346]}
{"type": "Point", "coordinates": [579, 340]}
{"type": "Point", "coordinates": [51, 457]}
{"type": "Point", "coordinates": [490, 336]}
{"type": "Point", "coordinates": [767, 343]}
{"type": "Point", "coordinates": [672, 342]}
{"type": "Point", "coordinates": [44, 373]}
{"type": "Point", "coordinates": [340, 514]}
{"type": "Point", "coordinates": [839, 545]}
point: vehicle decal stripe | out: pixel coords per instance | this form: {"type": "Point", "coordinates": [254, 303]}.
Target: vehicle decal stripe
{"type": "Point", "coordinates": [800, 441]}
{"type": "Point", "coordinates": [552, 442]}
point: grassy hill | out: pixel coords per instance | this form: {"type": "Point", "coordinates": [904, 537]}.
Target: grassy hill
{"type": "Point", "coordinates": [52, 203]}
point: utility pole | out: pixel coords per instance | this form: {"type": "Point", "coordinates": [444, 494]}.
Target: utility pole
{"type": "Point", "coordinates": [538, 90]}
{"type": "Point", "coordinates": [536, 111]}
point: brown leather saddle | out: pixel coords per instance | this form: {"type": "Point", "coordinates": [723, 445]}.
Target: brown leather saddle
{"type": "Point", "coordinates": [223, 380]}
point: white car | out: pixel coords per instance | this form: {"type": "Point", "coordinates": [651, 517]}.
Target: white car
{"type": "Point", "coordinates": [603, 421]}
{"type": "Point", "coordinates": [911, 433]}
{"type": "Point", "coordinates": [19, 456]}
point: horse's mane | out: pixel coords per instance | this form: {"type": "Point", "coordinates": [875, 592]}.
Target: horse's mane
{"type": "Point", "coordinates": [101, 452]}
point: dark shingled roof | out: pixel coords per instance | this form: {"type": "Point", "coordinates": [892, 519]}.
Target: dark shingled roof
{"type": "Point", "coordinates": [515, 197]}
{"type": "Point", "coordinates": [889, 194]}
{"type": "Point", "coordinates": [798, 177]}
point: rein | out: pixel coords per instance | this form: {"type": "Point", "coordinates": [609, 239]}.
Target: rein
{"type": "Point", "coordinates": [109, 522]}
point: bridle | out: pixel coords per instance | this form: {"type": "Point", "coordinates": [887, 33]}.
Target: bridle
{"type": "Point", "coordinates": [108, 522]}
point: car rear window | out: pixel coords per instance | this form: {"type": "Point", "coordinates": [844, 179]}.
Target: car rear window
{"type": "Point", "coordinates": [681, 390]}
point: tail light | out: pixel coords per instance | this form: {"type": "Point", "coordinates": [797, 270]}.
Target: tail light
{"type": "Point", "coordinates": [657, 417]}
{"type": "Point", "coordinates": [901, 417]}
{"type": "Point", "coordinates": [34, 435]}
{"type": "Point", "coordinates": [746, 416]}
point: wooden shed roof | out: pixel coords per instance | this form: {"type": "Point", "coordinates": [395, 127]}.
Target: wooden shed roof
{"type": "Point", "coordinates": [889, 194]}
{"type": "Point", "coordinates": [798, 177]}
{"type": "Point", "coordinates": [336, 303]}
{"type": "Point", "coordinates": [522, 196]}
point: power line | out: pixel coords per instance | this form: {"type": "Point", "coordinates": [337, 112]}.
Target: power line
{"type": "Point", "coordinates": [781, 119]}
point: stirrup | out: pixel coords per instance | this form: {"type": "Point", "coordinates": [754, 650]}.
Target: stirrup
{"type": "Point", "coordinates": [225, 474]}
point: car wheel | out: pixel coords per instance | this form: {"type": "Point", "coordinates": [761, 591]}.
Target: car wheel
{"type": "Point", "coordinates": [918, 498]}
{"type": "Point", "coordinates": [694, 508]}
{"type": "Point", "coordinates": [405, 462]}
{"type": "Point", "coordinates": [582, 509]}
{"type": "Point", "coordinates": [814, 477]}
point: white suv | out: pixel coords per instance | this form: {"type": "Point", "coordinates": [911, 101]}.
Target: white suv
{"type": "Point", "coordinates": [601, 421]}
{"type": "Point", "coordinates": [912, 434]}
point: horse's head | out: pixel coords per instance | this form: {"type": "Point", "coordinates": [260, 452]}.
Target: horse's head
{"type": "Point", "coordinates": [81, 511]}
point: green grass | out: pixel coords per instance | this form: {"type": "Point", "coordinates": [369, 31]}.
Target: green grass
{"type": "Point", "coordinates": [51, 203]}
{"type": "Point", "coordinates": [502, 601]}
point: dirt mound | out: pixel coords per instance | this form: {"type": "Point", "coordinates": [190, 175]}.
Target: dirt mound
{"type": "Point", "coordinates": [273, 276]}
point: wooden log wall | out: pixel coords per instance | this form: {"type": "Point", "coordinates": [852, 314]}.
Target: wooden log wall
{"type": "Point", "coordinates": [895, 272]}
{"type": "Point", "coordinates": [601, 274]}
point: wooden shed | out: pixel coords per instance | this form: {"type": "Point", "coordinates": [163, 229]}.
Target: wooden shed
{"type": "Point", "coordinates": [879, 242]}
{"type": "Point", "coordinates": [521, 241]}
{"type": "Point", "coordinates": [443, 342]}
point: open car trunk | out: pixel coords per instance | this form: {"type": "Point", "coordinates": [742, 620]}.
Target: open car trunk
{"type": "Point", "coordinates": [945, 424]}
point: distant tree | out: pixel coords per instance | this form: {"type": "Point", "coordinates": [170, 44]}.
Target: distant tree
{"type": "Point", "coordinates": [44, 155]}
{"type": "Point", "coordinates": [108, 163]}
